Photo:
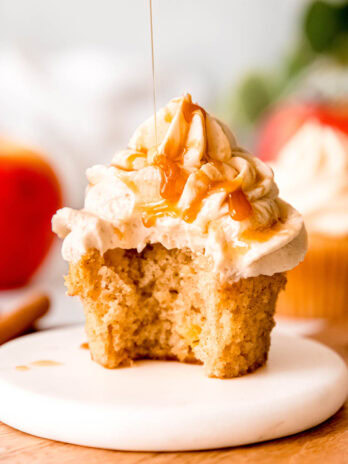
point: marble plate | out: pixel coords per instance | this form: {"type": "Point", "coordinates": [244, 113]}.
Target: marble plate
{"type": "Point", "coordinates": [49, 387]}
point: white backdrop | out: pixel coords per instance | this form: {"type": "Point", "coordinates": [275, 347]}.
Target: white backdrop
{"type": "Point", "coordinates": [222, 37]}
{"type": "Point", "coordinates": [75, 75]}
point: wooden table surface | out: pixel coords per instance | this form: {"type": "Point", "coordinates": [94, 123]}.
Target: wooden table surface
{"type": "Point", "coordinates": [324, 444]}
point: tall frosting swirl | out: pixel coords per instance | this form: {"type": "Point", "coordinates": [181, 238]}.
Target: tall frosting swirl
{"type": "Point", "coordinates": [312, 172]}
{"type": "Point", "coordinates": [192, 188]}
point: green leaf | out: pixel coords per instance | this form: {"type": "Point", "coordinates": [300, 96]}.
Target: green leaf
{"type": "Point", "coordinates": [321, 25]}
{"type": "Point", "coordinates": [301, 57]}
{"type": "Point", "coordinates": [255, 95]}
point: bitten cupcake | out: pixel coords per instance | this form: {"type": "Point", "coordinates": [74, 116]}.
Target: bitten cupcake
{"type": "Point", "coordinates": [312, 173]}
{"type": "Point", "coordinates": [181, 248]}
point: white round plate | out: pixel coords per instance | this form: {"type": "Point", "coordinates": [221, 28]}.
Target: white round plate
{"type": "Point", "coordinates": [164, 406]}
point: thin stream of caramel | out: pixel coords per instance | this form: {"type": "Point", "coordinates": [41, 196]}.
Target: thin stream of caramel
{"type": "Point", "coordinates": [153, 72]}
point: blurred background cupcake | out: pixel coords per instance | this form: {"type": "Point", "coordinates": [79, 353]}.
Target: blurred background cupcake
{"type": "Point", "coordinates": [299, 109]}
{"type": "Point", "coordinates": [312, 173]}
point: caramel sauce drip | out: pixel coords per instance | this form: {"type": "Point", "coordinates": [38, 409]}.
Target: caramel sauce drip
{"type": "Point", "coordinates": [22, 368]}
{"type": "Point", "coordinates": [173, 178]}
{"type": "Point", "coordinates": [40, 363]}
{"type": "Point", "coordinates": [189, 108]}
{"type": "Point", "coordinates": [130, 161]}
{"type": "Point", "coordinates": [238, 205]}
{"type": "Point", "coordinates": [250, 235]}
{"type": "Point", "coordinates": [190, 213]}
{"type": "Point", "coordinates": [211, 187]}
{"type": "Point", "coordinates": [45, 363]}
{"type": "Point", "coordinates": [151, 212]}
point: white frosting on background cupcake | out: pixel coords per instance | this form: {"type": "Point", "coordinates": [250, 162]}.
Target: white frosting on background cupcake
{"type": "Point", "coordinates": [192, 188]}
{"type": "Point", "coordinates": [312, 174]}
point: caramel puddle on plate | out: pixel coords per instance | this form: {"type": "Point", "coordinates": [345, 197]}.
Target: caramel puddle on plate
{"type": "Point", "coordinates": [45, 363]}
{"type": "Point", "coordinates": [84, 346]}
{"type": "Point", "coordinates": [22, 368]}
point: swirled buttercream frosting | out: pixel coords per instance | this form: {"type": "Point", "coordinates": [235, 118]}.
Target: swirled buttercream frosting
{"type": "Point", "coordinates": [312, 172]}
{"type": "Point", "coordinates": [192, 188]}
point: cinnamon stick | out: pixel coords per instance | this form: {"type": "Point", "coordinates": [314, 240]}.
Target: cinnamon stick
{"type": "Point", "coordinates": [19, 320]}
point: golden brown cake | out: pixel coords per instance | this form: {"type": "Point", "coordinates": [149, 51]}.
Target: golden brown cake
{"type": "Point", "coordinates": [318, 287]}
{"type": "Point", "coordinates": [168, 304]}
{"type": "Point", "coordinates": [182, 248]}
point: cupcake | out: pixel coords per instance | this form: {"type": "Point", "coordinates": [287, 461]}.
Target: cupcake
{"type": "Point", "coordinates": [312, 173]}
{"type": "Point", "coordinates": [181, 248]}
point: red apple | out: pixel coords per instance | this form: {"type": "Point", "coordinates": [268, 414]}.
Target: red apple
{"type": "Point", "coordinates": [29, 195]}
{"type": "Point", "coordinates": [284, 120]}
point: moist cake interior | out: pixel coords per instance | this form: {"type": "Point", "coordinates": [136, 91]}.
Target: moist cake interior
{"type": "Point", "coordinates": [169, 304]}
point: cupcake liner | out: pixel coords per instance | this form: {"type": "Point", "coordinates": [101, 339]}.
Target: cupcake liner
{"type": "Point", "coordinates": [318, 287]}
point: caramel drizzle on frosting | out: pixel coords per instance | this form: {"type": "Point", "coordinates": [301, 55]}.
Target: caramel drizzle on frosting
{"type": "Point", "coordinates": [152, 211]}
{"type": "Point", "coordinates": [174, 177]}
{"type": "Point", "coordinates": [131, 158]}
